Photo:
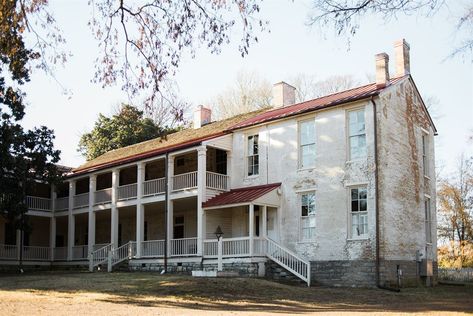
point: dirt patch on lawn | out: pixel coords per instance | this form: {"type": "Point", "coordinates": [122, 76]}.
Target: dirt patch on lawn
{"type": "Point", "coordinates": [154, 294]}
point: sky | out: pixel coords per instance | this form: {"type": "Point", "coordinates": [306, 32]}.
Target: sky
{"type": "Point", "coordinates": [290, 48]}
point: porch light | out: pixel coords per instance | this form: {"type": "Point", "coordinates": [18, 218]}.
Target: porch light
{"type": "Point", "coordinates": [218, 232]}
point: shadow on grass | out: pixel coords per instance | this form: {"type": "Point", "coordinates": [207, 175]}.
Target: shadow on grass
{"type": "Point", "coordinates": [238, 294]}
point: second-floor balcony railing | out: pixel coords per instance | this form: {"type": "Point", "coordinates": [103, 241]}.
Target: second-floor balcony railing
{"type": "Point", "coordinates": [81, 200]}
{"type": "Point", "coordinates": [126, 192]}
{"type": "Point", "coordinates": [61, 204]}
{"type": "Point", "coordinates": [184, 181]}
{"type": "Point", "coordinates": [38, 203]}
{"type": "Point", "coordinates": [103, 196]}
{"type": "Point", "coordinates": [217, 181]}
{"type": "Point", "coordinates": [154, 186]}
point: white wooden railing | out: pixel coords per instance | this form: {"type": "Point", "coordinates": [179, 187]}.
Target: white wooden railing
{"type": "Point", "coordinates": [289, 260]}
{"type": "Point", "coordinates": [103, 196]}
{"type": "Point", "coordinates": [80, 252]}
{"type": "Point", "coordinates": [99, 256]}
{"type": "Point", "coordinates": [8, 251]}
{"type": "Point", "coordinates": [184, 181]}
{"type": "Point", "coordinates": [60, 253]}
{"type": "Point", "coordinates": [36, 253]}
{"type": "Point", "coordinates": [259, 246]}
{"type": "Point", "coordinates": [210, 248]}
{"type": "Point", "coordinates": [154, 186]}
{"type": "Point", "coordinates": [98, 246]}
{"type": "Point", "coordinates": [236, 247]}
{"type": "Point", "coordinates": [61, 204]}
{"type": "Point", "coordinates": [152, 248]}
{"type": "Point", "coordinates": [217, 181]}
{"type": "Point", "coordinates": [81, 200]}
{"type": "Point", "coordinates": [38, 203]}
{"type": "Point", "coordinates": [122, 253]}
{"type": "Point", "coordinates": [126, 192]}
{"type": "Point", "coordinates": [184, 247]}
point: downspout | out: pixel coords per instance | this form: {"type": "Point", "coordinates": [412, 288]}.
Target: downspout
{"type": "Point", "coordinates": [166, 197]}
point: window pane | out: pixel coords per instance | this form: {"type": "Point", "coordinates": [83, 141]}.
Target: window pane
{"type": "Point", "coordinates": [255, 145]}
{"type": "Point", "coordinates": [305, 211]}
{"type": "Point", "coordinates": [307, 133]}
{"type": "Point", "coordinates": [308, 155]}
{"type": "Point", "coordinates": [362, 205]}
{"type": "Point", "coordinates": [354, 206]}
{"type": "Point", "coordinates": [354, 194]}
{"type": "Point", "coordinates": [250, 145]}
{"type": "Point", "coordinates": [362, 194]}
{"type": "Point", "coordinates": [357, 146]}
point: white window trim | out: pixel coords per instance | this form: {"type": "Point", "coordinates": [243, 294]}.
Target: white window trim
{"type": "Point", "coordinates": [350, 236]}
{"type": "Point", "coordinates": [301, 239]}
{"type": "Point", "coordinates": [425, 153]}
{"type": "Point", "coordinates": [299, 144]}
{"type": "Point", "coordinates": [428, 220]}
{"type": "Point", "coordinates": [347, 133]}
{"type": "Point", "coordinates": [247, 135]}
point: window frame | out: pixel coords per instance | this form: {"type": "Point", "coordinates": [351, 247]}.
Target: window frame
{"type": "Point", "coordinates": [300, 146]}
{"type": "Point", "coordinates": [428, 220]}
{"type": "Point", "coordinates": [349, 136]}
{"type": "Point", "coordinates": [247, 156]}
{"type": "Point", "coordinates": [424, 147]}
{"type": "Point", "coordinates": [359, 214]}
{"type": "Point", "coordinates": [308, 217]}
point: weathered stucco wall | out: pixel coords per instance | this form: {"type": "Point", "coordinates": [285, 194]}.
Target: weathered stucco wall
{"type": "Point", "coordinates": [330, 179]}
{"type": "Point", "coordinates": [402, 185]}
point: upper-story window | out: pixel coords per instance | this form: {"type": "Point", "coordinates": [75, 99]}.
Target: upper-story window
{"type": "Point", "coordinates": [425, 163]}
{"type": "Point", "coordinates": [308, 216]}
{"type": "Point", "coordinates": [253, 155]}
{"type": "Point", "coordinates": [359, 212]}
{"type": "Point", "coordinates": [307, 144]}
{"type": "Point", "coordinates": [357, 134]}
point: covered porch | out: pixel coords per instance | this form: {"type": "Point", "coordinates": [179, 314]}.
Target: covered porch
{"type": "Point", "coordinates": [246, 217]}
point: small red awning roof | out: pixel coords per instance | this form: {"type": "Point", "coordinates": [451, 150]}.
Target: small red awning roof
{"type": "Point", "coordinates": [241, 195]}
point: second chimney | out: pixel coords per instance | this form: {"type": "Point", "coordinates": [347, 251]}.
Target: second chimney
{"type": "Point", "coordinates": [401, 53]}
{"type": "Point", "coordinates": [283, 94]}
{"type": "Point", "coordinates": [382, 70]}
{"type": "Point", "coordinates": [202, 116]}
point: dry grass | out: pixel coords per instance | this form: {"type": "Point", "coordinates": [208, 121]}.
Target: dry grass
{"type": "Point", "coordinates": [154, 294]}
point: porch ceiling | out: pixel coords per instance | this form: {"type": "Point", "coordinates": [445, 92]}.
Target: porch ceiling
{"type": "Point", "coordinates": [246, 195]}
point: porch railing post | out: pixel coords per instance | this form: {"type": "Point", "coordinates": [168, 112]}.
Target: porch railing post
{"type": "Point", "coordinates": [251, 228]}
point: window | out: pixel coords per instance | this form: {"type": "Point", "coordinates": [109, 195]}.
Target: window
{"type": "Point", "coordinates": [308, 216]}
{"type": "Point", "coordinates": [221, 161]}
{"type": "Point", "coordinates": [307, 144]}
{"type": "Point", "coordinates": [253, 157]}
{"type": "Point", "coordinates": [359, 213]}
{"type": "Point", "coordinates": [357, 135]}
{"type": "Point", "coordinates": [428, 221]}
{"type": "Point", "coordinates": [178, 227]}
{"type": "Point", "coordinates": [424, 155]}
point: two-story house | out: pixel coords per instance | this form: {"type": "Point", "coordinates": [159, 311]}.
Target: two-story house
{"type": "Point", "coordinates": [339, 190]}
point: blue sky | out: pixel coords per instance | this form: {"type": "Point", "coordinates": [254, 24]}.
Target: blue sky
{"type": "Point", "coordinates": [290, 48]}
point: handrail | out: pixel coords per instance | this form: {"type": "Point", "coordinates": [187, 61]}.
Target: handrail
{"type": "Point", "coordinates": [103, 196]}
{"type": "Point", "coordinates": [152, 248]}
{"type": "Point", "coordinates": [81, 200]}
{"type": "Point", "coordinates": [184, 246]}
{"type": "Point", "coordinates": [288, 260]}
{"type": "Point", "coordinates": [61, 204]}
{"type": "Point", "coordinates": [154, 186]}
{"type": "Point", "coordinates": [122, 253]}
{"type": "Point", "coordinates": [8, 251]}
{"type": "Point", "coordinates": [99, 256]}
{"type": "Point", "coordinates": [184, 181]}
{"type": "Point", "coordinates": [217, 181]}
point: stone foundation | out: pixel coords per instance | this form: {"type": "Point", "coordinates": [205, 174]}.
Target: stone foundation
{"type": "Point", "coordinates": [243, 269]}
{"type": "Point", "coordinates": [277, 273]}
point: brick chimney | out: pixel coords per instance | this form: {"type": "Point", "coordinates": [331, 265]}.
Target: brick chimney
{"type": "Point", "coordinates": [202, 116]}
{"type": "Point", "coordinates": [283, 94]}
{"type": "Point", "coordinates": [401, 53]}
{"type": "Point", "coordinates": [382, 69]}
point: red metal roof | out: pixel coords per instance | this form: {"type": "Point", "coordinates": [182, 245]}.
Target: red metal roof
{"type": "Point", "coordinates": [241, 195]}
{"type": "Point", "coordinates": [316, 104]}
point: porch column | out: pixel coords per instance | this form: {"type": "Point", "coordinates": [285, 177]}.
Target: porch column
{"type": "Point", "coordinates": [52, 223]}
{"type": "Point", "coordinates": [91, 231]}
{"type": "Point", "coordinates": [140, 208]}
{"type": "Point", "coordinates": [229, 169]}
{"type": "Point", "coordinates": [52, 235]}
{"type": "Point", "coordinates": [251, 226]}
{"type": "Point", "coordinates": [264, 219]}
{"type": "Point", "coordinates": [170, 215]}
{"type": "Point", "coordinates": [201, 188]}
{"type": "Point", "coordinates": [114, 209]}
{"type": "Point", "coordinates": [71, 220]}
{"type": "Point", "coordinates": [18, 244]}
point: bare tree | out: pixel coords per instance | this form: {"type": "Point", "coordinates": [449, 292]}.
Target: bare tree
{"type": "Point", "coordinates": [455, 199]}
{"type": "Point", "coordinates": [142, 42]}
{"type": "Point", "coordinates": [307, 87]}
{"type": "Point", "coordinates": [250, 92]}
{"type": "Point", "coordinates": [345, 16]}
